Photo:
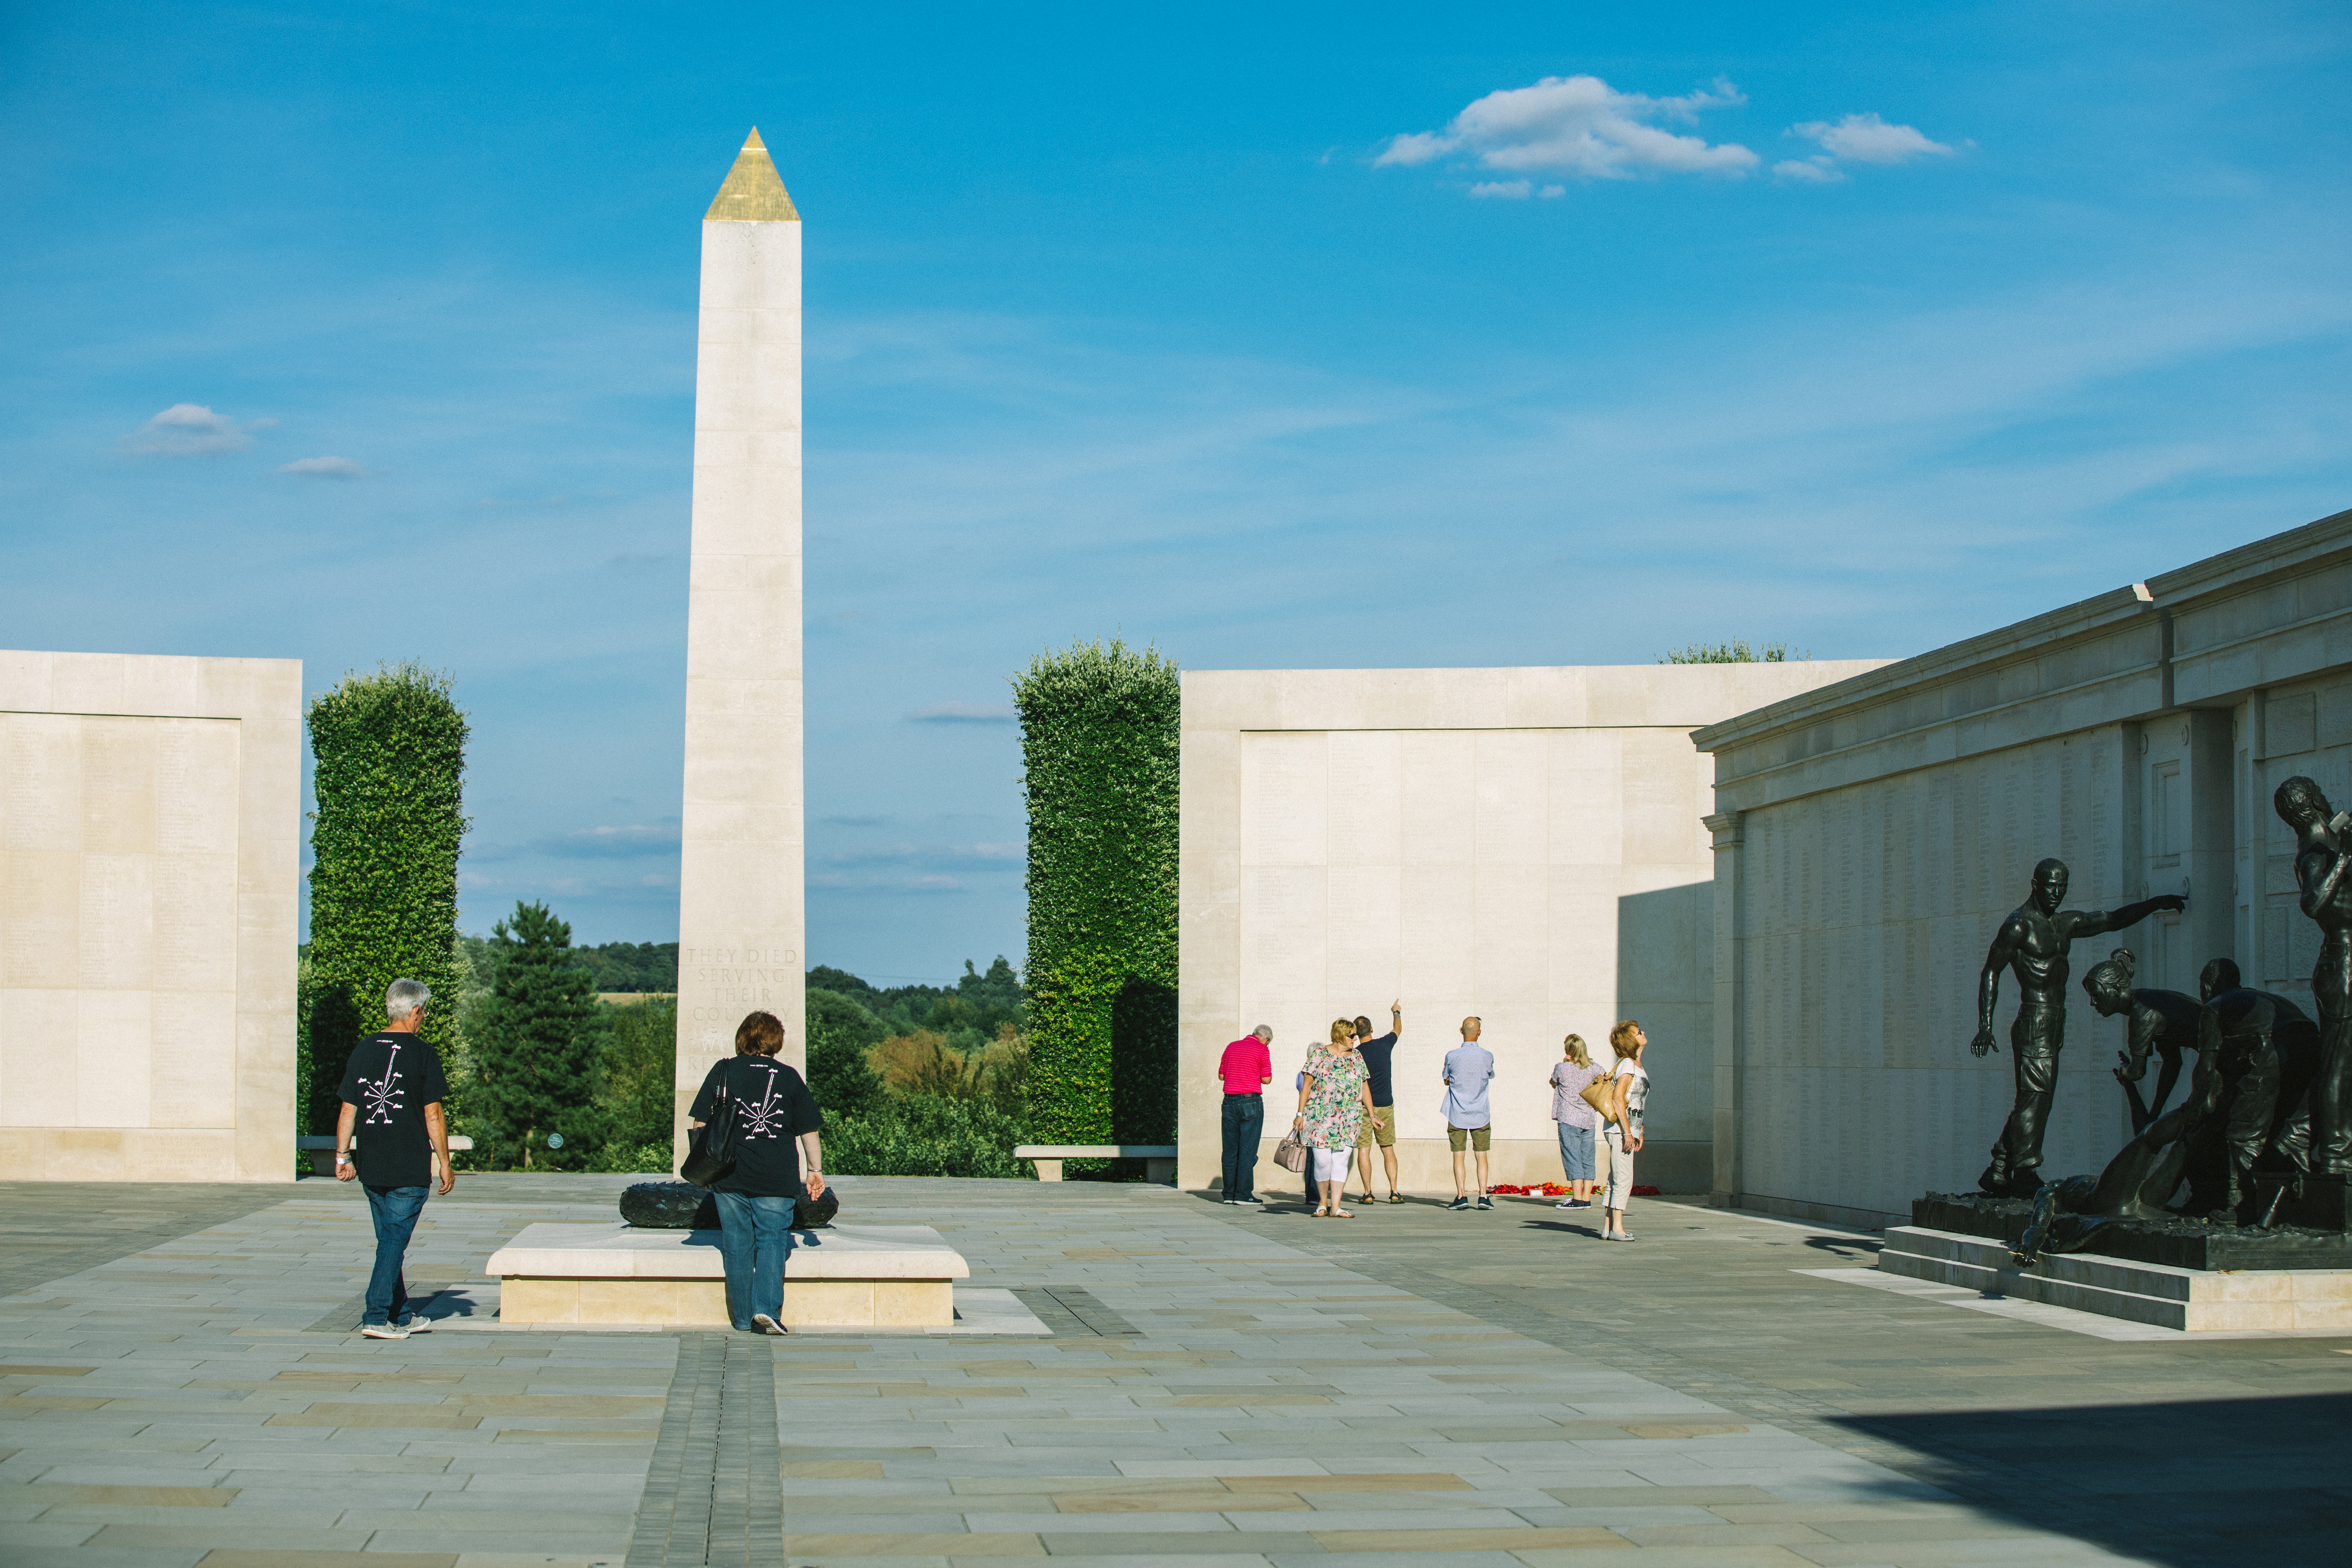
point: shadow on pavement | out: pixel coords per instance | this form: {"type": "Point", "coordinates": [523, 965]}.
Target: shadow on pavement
{"type": "Point", "coordinates": [2188, 1484]}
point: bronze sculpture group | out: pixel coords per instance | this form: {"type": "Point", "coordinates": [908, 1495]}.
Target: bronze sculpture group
{"type": "Point", "coordinates": [2262, 1136]}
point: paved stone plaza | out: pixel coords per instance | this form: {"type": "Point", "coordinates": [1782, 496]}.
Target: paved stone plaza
{"type": "Point", "coordinates": [1222, 1388]}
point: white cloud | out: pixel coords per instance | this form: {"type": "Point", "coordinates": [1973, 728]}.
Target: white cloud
{"type": "Point", "coordinates": [1504, 190]}
{"type": "Point", "coordinates": [192, 430]}
{"type": "Point", "coordinates": [330, 468]}
{"type": "Point", "coordinates": [1420, 147]}
{"type": "Point", "coordinates": [1868, 138]}
{"type": "Point", "coordinates": [1578, 125]}
{"type": "Point", "coordinates": [1817, 170]}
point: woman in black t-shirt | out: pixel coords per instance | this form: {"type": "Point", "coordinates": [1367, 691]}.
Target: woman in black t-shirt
{"type": "Point", "coordinates": [777, 1122]}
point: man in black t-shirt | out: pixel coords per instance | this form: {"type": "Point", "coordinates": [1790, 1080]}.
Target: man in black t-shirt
{"type": "Point", "coordinates": [392, 1097]}
{"type": "Point", "coordinates": [1380, 1127]}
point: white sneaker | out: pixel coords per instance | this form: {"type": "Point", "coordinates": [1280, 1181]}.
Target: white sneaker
{"type": "Point", "coordinates": [412, 1324]}
{"type": "Point", "coordinates": [766, 1324]}
{"type": "Point", "coordinates": [383, 1331]}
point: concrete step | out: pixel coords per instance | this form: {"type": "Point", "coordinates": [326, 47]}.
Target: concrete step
{"type": "Point", "coordinates": [2282, 1299]}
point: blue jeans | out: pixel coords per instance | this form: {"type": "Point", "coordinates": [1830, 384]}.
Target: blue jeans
{"type": "Point", "coordinates": [1243, 1121]}
{"type": "Point", "coordinates": [1575, 1151]}
{"type": "Point", "coordinates": [395, 1211]}
{"type": "Point", "coordinates": [754, 1236]}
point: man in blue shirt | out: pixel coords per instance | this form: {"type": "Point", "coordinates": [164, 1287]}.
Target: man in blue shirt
{"type": "Point", "coordinates": [1469, 1069]}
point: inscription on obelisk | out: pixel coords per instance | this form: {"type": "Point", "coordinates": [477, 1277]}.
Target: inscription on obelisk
{"type": "Point", "coordinates": [741, 910]}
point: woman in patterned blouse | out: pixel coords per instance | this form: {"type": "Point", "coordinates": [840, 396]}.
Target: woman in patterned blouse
{"type": "Point", "coordinates": [1333, 1100]}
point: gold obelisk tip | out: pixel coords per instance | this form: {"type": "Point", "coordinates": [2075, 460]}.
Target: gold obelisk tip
{"type": "Point", "coordinates": [754, 193]}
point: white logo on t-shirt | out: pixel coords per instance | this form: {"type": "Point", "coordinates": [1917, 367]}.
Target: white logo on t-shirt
{"type": "Point", "coordinates": [382, 1097]}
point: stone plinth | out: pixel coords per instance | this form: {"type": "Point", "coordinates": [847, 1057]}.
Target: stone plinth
{"type": "Point", "coordinates": [2198, 1300]}
{"type": "Point", "coordinates": [863, 1275]}
{"type": "Point", "coordinates": [2176, 1242]}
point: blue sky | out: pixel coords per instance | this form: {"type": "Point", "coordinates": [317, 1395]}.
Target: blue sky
{"type": "Point", "coordinates": [1303, 336]}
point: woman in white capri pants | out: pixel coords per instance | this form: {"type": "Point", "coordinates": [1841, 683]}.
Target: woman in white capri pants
{"type": "Point", "coordinates": [1333, 1100]}
{"type": "Point", "coordinates": [1629, 1090]}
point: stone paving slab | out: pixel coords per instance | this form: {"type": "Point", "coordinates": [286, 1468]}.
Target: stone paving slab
{"type": "Point", "coordinates": [1221, 1388]}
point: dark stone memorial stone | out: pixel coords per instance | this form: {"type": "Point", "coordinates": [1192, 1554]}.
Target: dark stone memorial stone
{"type": "Point", "coordinates": [681, 1206]}
{"type": "Point", "coordinates": [669, 1205]}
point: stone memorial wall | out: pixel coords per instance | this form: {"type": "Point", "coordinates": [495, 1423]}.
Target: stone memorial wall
{"type": "Point", "coordinates": [1872, 835]}
{"type": "Point", "coordinates": [150, 848]}
{"type": "Point", "coordinates": [1523, 845]}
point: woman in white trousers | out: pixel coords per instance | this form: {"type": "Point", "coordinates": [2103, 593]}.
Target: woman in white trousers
{"type": "Point", "coordinates": [1629, 1092]}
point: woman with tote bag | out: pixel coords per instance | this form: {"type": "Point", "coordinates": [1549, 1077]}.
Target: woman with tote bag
{"type": "Point", "coordinates": [775, 1122]}
{"type": "Point", "coordinates": [1333, 1100]}
{"type": "Point", "coordinates": [1629, 1092]}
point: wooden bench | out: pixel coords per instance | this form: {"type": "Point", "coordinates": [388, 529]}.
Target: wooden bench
{"type": "Point", "coordinates": [1159, 1159]}
{"type": "Point", "coordinates": [322, 1149]}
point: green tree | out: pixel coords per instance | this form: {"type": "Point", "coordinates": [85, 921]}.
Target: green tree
{"type": "Point", "coordinates": [539, 1057]}
{"type": "Point", "coordinates": [640, 1071]}
{"type": "Point", "coordinates": [1736, 651]}
{"type": "Point", "coordinates": [389, 755]}
{"type": "Point", "coordinates": [840, 1071]}
{"type": "Point", "coordinates": [1098, 742]}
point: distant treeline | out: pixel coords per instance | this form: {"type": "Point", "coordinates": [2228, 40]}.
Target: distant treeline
{"type": "Point", "coordinates": [969, 1012]}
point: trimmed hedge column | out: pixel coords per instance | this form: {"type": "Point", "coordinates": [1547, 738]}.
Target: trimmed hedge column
{"type": "Point", "coordinates": [390, 748]}
{"type": "Point", "coordinates": [1100, 746]}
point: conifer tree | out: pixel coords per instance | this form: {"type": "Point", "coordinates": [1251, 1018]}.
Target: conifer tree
{"type": "Point", "coordinates": [539, 1057]}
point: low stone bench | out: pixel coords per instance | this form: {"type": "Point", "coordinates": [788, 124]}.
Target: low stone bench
{"type": "Point", "coordinates": [845, 1276]}
{"type": "Point", "coordinates": [321, 1150]}
{"type": "Point", "coordinates": [1159, 1159]}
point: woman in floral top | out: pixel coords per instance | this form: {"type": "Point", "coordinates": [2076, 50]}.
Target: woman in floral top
{"type": "Point", "coordinates": [1334, 1097]}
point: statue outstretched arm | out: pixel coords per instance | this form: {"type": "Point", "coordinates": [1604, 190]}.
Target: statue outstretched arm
{"type": "Point", "coordinates": [2091, 922]}
{"type": "Point", "coordinates": [2168, 1074]}
{"type": "Point", "coordinates": [2139, 1112]}
{"type": "Point", "coordinates": [2004, 948]}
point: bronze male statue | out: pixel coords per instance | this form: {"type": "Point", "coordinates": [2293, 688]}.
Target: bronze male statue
{"type": "Point", "coordinates": [2164, 1024]}
{"type": "Point", "coordinates": [2032, 943]}
{"type": "Point", "coordinates": [2255, 1054]}
{"type": "Point", "coordinates": [2320, 872]}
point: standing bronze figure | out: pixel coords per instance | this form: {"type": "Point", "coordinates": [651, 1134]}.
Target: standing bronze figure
{"type": "Point", "coordinates": [2320, 868]}
{"type": "Point", "coordinates": [2032, 942]}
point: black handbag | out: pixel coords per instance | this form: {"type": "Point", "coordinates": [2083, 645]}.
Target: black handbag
{"type": "Point", "coordinates": [815, 1213]}
{"type": "Point", "coordinates": [710, 1148]}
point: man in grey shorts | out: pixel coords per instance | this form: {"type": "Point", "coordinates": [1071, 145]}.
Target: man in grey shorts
{"type": "Point", "coordinates": [1380, 1127]}
{"type": "Point", "coordinates": [1469, 1069]}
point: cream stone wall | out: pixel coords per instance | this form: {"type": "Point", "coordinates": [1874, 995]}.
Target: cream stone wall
{"type": "Point", "coordinates": [149, 866]}
{"type": "Point", "coordinates": [1871, 836]}
{"type": "Point", "coordinates": [1525, 845]}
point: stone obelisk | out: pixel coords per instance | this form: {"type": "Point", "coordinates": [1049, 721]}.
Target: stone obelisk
{"type": "Point", "coordinates": [740, 903]}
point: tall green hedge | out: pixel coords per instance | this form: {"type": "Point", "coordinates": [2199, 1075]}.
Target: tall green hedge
{"type": "Point", "coordinates": [1098, 741]}
{"type": "Point", "coordinates": [390, 750]}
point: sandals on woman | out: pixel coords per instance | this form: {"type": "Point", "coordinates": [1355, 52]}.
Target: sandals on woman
{"type": "Point", "coordinates": [1320, 1214]}
{"type": "Point", "coordinates": [1342, 1213]}
{"type": "Point", "coordinates": [1396, 1197]}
